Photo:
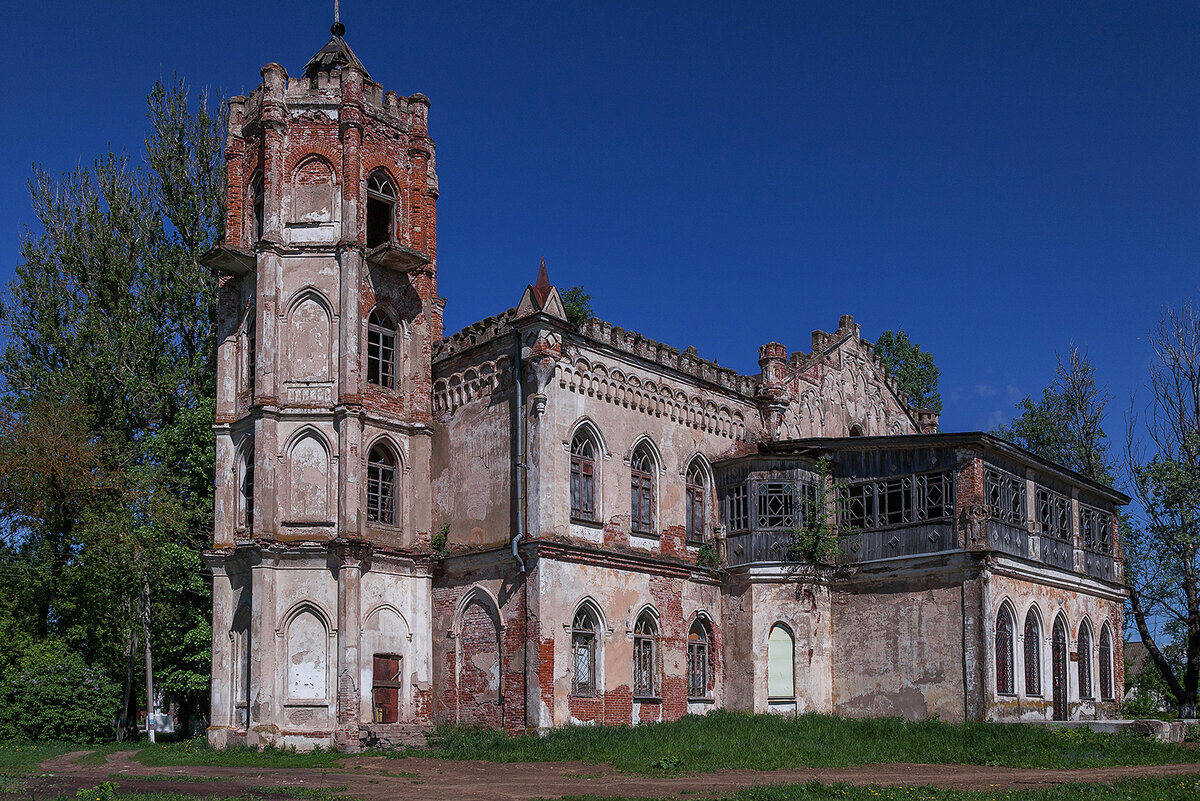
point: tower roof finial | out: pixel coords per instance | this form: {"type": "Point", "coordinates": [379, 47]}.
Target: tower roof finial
{"type": "Point", "coordinates": [337, 28]}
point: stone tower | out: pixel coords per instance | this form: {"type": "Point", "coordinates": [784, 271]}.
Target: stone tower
{"type": "Point", "coordinates": [328, 311]}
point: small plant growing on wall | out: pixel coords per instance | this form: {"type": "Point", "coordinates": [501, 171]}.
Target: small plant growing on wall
{"type": "Point", "coordinates": [441, 540]}
{"type": "Point", "coordinates": [815, 539]}
{"type": "Point", "coordinates": [708, 556]}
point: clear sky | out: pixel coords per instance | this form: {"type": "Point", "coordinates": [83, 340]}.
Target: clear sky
{"type": "Point", "coordinates": [998, 179]}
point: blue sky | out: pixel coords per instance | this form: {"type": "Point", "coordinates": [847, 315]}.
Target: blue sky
{"type": "Point", "coordinates": [998, 179]}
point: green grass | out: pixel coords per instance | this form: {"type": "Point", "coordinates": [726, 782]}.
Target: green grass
{"type": "Point", "coordinates": [23, 757]}
{"type": "Point", "coordinates": [198, 752]}
{"type": "Point", "coordinates": [770, 742]}
{"type": "Point", "coordinates": [1169, 789]}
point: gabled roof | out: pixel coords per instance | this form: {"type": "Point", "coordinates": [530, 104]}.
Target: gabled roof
{"type": "Point", "coordinates": [335, 54]}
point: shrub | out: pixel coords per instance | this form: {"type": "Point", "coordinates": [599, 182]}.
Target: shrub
{"type": "Point", "coordinates": [50, 693]}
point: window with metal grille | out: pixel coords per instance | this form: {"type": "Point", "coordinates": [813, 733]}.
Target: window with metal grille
{"type": "Point", "coordinates": [247, 488]}
{"type": "Point", "coordinates": [1053, 513]}
{"type": "Point", "coordinates": [695, 498]}
{"type": "Point", "coordinates": [737, 508]}
{"type": "Point", "coordinates": [1085, 661]}
{"type": "Point", "coordinates": [641, 490]}
{"type": "Point", "coordinates": [381, 209]}
{"type": "Point", "coordinates": [1106, 682]}
{"type": "Point", "coordinates": [257, 206]}
{"type": "Point", "coordinates": [699, 668]}
{"type": "Point", "coordinates": [645, 646]}
{"type": "Point", "coordinates": [904, 500]}
{"type": "Point", "coordinates": [1032, 647]}
{"type": "Point", "coordinates": [1096, 527]}
{"type": "Point", "coordinates": [385, 688]}
{"type": "Point", "coordinates": [778, 506]}
{"type": "Point", "coordinates": [381, 486]}
{"type": "Point", "coordinates": [381, 350]}
{"type": "Point", "coordinates": [1005, 681]}
{"type": "Point", "coordinates": [583, 653]}
{"type": "Point", "coordinates": [1005, 496]}
{"type": "Point", "coordinates": [583, 477]}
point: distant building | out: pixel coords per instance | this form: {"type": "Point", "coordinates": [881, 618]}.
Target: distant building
{"type": "Point", "coordinates": [526, 526]}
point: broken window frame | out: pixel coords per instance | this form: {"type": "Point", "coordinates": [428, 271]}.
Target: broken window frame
{"type": "Point", "coordinates": [781, 504]}
{"type": "Point", "coordinates": [251, 356]}
{"type": "Point", "coordinates": [382, 473]}
{"type": "Point", "coordinates": [699, 662]}
{"type": "Point", "coordinates": [258, 198]}
{"type": "Point", "coordinates": [645, 657]}
{"type": "Point", "coordinates": [896, 501]}
{"type": "Point", "coordinates": [737, 508]}
{"type": "Point", "coordinates": [1096, 527]}
{"type": "Point", "coordinates": [381, 209]}
{"type": "Point", "coordinates": [1006, 682]}
{"type": "Point", "coordinates": [390, 684]}
{"type": "Point", "coordinates": [1004, 495]}
{"type": "Point", "coordinates": [1053, 513]}
{"type": "Point", "coordinates": [246, 488]}
{"type": "Point", "coordinates": [695, 502]}
{"type": "Point", "coordinates": [382, 334]}
{"type": "Point", "coordinates": [583, 477]}
{"type": "Point", "coordinates": [642, 468]}
{"type": "Point", "coordinates": [584, 633]}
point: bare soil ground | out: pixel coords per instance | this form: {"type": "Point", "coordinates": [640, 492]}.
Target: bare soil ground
{"type": "Point", "coordinates": [383, 779]}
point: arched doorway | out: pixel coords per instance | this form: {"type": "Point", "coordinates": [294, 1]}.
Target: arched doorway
{"type": "Point", "coordinates": [1059, 656]}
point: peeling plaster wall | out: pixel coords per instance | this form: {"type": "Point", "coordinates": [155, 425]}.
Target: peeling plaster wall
{"type": "Point", "coordinates": [899, 648]}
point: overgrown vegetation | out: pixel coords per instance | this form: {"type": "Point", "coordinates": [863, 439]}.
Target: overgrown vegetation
{"type": "Point", "coordinates": [727, 740]}
{"type": "Point", "coordinates": [914, 369]}
{"type": "Point", "coordinates": [578, 305]}
{"type": "Point", "coordinates": [815, 540]}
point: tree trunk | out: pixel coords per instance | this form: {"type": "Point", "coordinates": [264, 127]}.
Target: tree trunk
{"type": "Point", "coordinates": [149, 663]}
{"type": "Point", "coordinates": [127, 709]}
{"type": "Point", "coordinates": [1152, 649]}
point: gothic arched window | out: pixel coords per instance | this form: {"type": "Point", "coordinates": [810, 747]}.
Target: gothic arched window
{"type": "Point", "coordinates": [257, 208]}
{"type": "Point", "coordinates": [1106, 671]}
{"type": "Point", "coordinates": [1084, 647]}
{"type": "Point", "coordinates": [251, 356]}
{"type": "Point", "coordinates": [381, 209]}
{"type": "Point", "coordinates": [645, 656]}
{"type": "Point", "coordinates": [699, 670]}
{"type": "Point", "coordinates": [696, 499]}
{"type": "Point", "coordinates": [381, 486]}
{"type": "Point", "coordinates": [583, 476]}
{"type": "Point", "coordinates": [584, 631]}
{"type": "Point", "coordinates": [1005, 682]}
{"type": "Point", "coordinates": [381, 350]}
{"type": "Point", "coordinates": [641, 489]}
{"type": "Point", "coordinates": [246, 487]}
{"type": "Point", "coordinates": [1032, 648]}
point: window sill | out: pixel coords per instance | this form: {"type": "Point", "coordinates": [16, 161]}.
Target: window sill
{"type": "Point", "coordinates": [647, 699]}
{"type": "Point", "coordinates": [583, 695]}
{"type": "Point", "coordinates": [1006, 695]}
{"type": "Point", "coordinates": [646, 535]}
{"type": "Point", "coordinates": [702, 700]}
{"type": "Point", "coordinates": [579, 521]}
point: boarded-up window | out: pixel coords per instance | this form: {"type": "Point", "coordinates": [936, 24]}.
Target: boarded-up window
{"type": "Point", "coordinates": [385, 688]}
{"type": "Point", "coordinates": [781, 663]}
{"type": "Point", "coordinates": [480, 671]}
{"type": "Point", "coordinates": [241, 667]}
{"type": "Point", "coordinates": [308, 469]}
{"type": "Point", "coordinates": [312, 192]}
{"type": "Point", "coordinates": [306, 656]}
{"type": "Point", "coordinates": [309, 341]}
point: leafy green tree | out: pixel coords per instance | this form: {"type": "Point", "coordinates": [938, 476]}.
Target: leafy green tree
{"type": "Point", "coordinates": [1162, 547]}
{"type": "Point", "coordinates": [914, 369]}
{"type": "Point", "coordinates": [53, 694]}
{"type": "Point", "coordinates": [110, 341]}
{"type": "Point", "coordinates": [1066, 424]}
{"type": "Point", "coordinates": [578, 305]}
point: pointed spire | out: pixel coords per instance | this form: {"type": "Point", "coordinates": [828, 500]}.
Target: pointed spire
{"type": "Point", "coordinates": [541, 290]}
{"type": "Point", "coordinates": [336, 53]}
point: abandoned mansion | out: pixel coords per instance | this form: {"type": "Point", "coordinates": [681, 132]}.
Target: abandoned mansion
{"type": "Point", "coordinates": [529, 524]}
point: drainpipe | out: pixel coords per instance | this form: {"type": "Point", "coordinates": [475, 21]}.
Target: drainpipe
{"type": "Point", "coordinates": [519, 465]}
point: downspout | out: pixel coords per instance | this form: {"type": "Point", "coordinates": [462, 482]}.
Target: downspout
{"type": "Point", "coordinates": [519, 465]}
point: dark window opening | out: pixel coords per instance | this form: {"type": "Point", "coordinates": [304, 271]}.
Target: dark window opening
{"type": "Point", "coordinates": [737, 508]}
{"type": "Point", "coordinates": [902, 501]}
{"type": "Point", "coordinates": [583, 653]}
{"type": "Point", "coordinates": [247, 489]}
{"type": "Point", "coordinates": [645, 642]}
{"type": "Point", "coordinates": [1004, 654]}
{"type": "Point", "coordinates": [381, 487]}
{"type": "Point", "coordinates": [583, 477]}
{"type": "Point", "coordinates": [1085, 662]}
{"type": "Point", "coordinates": [258, 204]}
{"type": "Point", "coordinates": [641, 490]}
{"type": "Point", "coordinates": [1106, 683]}
{"type": "Point", "coordinates": [695, 502]}
{"type": "Point", "coordinates": [381, 209]}
{"type": "Point", "coordinates": [699, 665]}
{"type": "Point", "coordinates": [1005, 497]}
{"type": "Point", "coordinates": [385, 688]}
{"type": "Point", "coordinates": [1033, 655]}
{"type": "Point", "coordinates": [381, 350]}
{"type": "Point", "coordinates": [251, 356]}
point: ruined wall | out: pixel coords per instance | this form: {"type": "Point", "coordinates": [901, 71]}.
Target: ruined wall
{"type": "Point", "coordinates": [620, 596]}
{"type": "Point", "coordinates": [898, 646]}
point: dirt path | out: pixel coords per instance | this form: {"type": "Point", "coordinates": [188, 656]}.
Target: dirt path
{"type": "Point", "coordinates": [383, 779]}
